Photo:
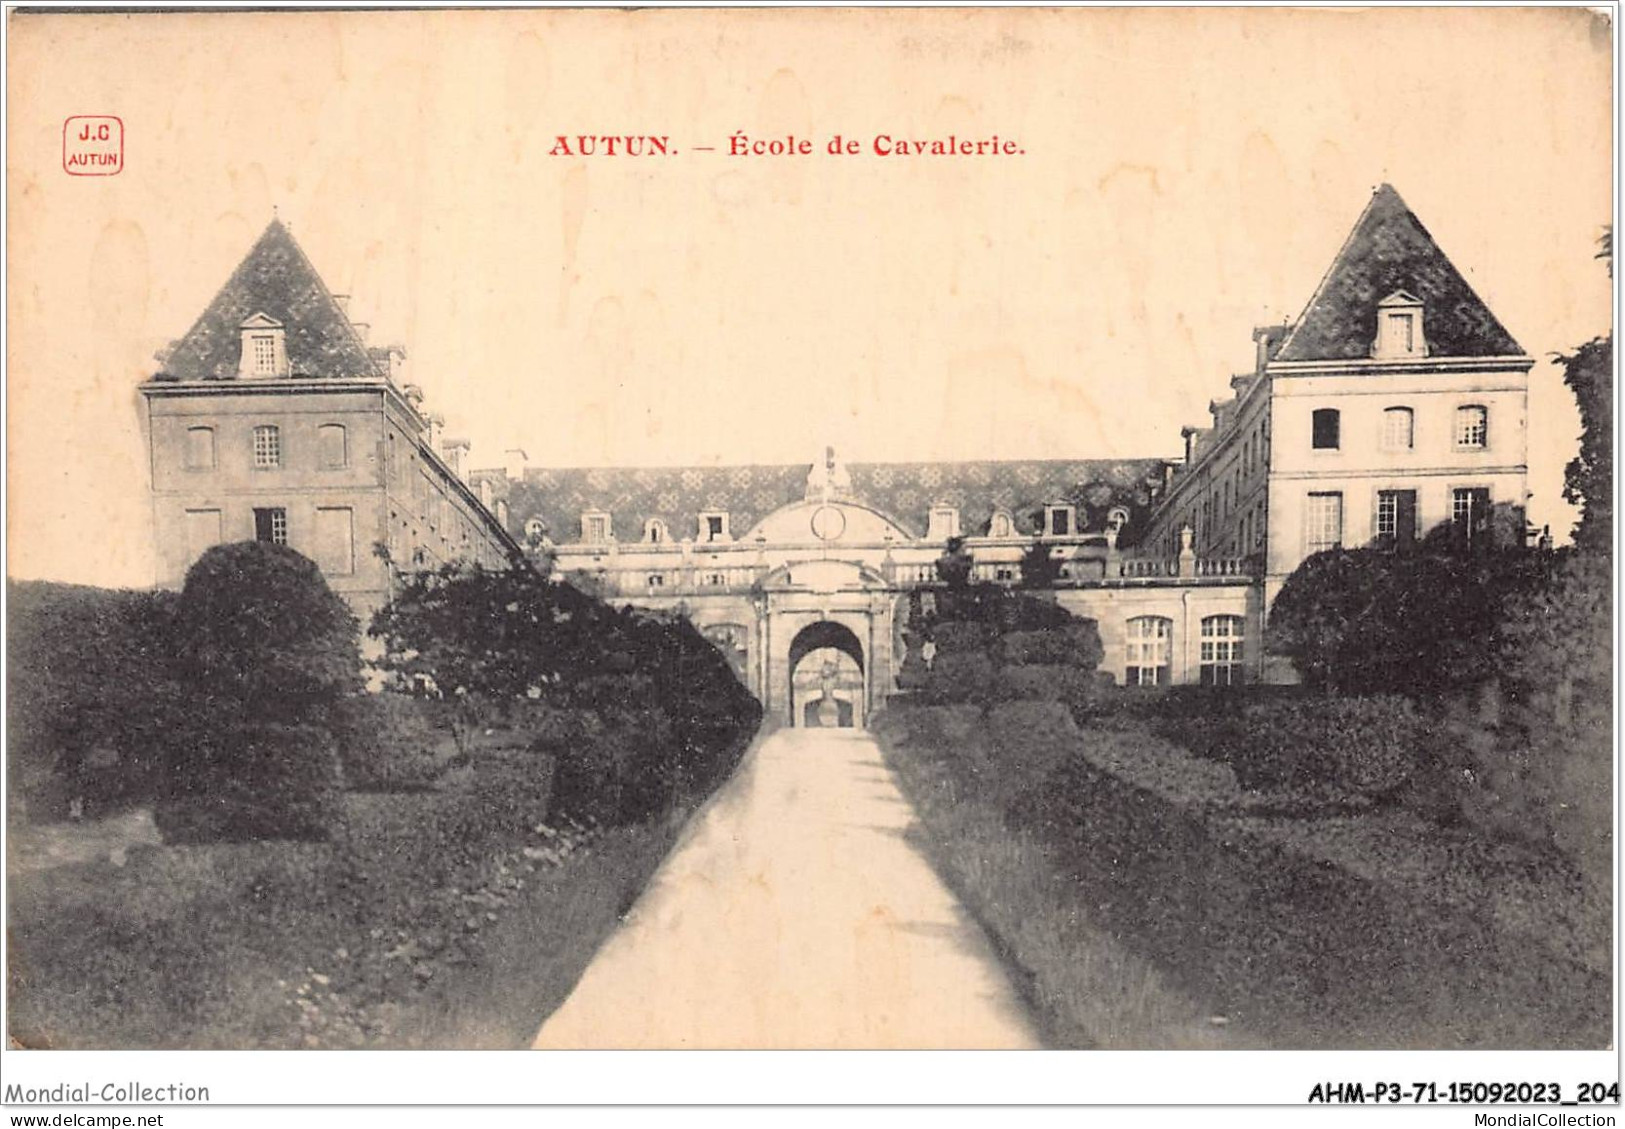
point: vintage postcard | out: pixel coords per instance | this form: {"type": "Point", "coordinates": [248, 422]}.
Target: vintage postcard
{"type": "Point", "coordinates": [1080, 529]}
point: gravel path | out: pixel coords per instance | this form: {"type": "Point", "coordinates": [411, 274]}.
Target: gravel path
{"type": "Point", "coordinates": [794, 914]}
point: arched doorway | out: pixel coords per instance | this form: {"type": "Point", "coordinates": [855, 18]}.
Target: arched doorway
{"type": "Point", "coordinates": [826, 677]}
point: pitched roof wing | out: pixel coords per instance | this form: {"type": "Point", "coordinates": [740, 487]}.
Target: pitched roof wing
{"type": "Point", "coordinates": [1389, 250]}
{"type": "Point", "coordinates": [905, 492]}
{"type": "Point", "coordinates": [276, 280]}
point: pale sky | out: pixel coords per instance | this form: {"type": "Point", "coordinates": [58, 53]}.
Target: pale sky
{"type": "Point", "coordinates": [1186, 175]}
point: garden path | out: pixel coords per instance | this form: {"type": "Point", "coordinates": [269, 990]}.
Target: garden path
{"type": "Point", "coordinates": [795, 913]}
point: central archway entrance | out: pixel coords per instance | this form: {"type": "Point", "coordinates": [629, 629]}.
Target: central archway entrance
{"type": "Point", "coordinates": [826, 677]}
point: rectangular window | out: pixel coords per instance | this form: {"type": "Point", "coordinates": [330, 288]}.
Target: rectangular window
{"type": "Point", "coordinates": [335, 540]}
{"type": "Point", "coordinates": [264, 355]}
{"type": "Point", "coordinates": [267, 446]}
{"type": "Point", "coordinates": [1323, 523]}
{"type": "Point", "coordinates": [1396, 517]}
{"type": "Point", "coordinates": [1470, 513]}
{"type": "Point", "coordinates": [1472, 426]}
{"type": "Point", "coordinates": [713, 527]}
{"type": "Point", "coordinates": [1327, 426]}
{"type": "Point", "coordinates": [333, 446]}
{"type": "Point", "coordinates": [1060, 521]}
{"type": "Point", "coordinates": [271, 524]}
{"type": "Point", "coordinates": [1221, 650]}
{"type": "Point", "coordinates": [1398, 429]}
{"type": "Point", "coordinates": [1148, 651]}
{"type": "Point", "coordinates": [200, 448]}
{"type": "Point", "coordinates": [595, 527]}
{"type": "Point", "coordinates": [202, 532]}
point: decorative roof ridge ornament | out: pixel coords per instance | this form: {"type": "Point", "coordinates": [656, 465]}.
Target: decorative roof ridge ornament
{"type": "Point", "coordinates": [828, 479]}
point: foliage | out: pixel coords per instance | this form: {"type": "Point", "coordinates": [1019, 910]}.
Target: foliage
{"type": "Point", "coordinates": [260, 635]}
{"type": "Point", "coordinates": [1316, 749]}
{"type": "Point", "coordinates": [955, 565]}
{"type": "Point", "coordinates": [1040, 568]}
{"type": "Point", "coordinates": [669, 716]}
{"type": "Point", "coordinates": [1369, 621]}
{"type": "Point", "coordinates": [90, 697]}
{"type": "Point", "coordinates": [248, 781]}
{"type": "Point", "coordinates": [394, 742]}
{"type": "Point", "coordinates": [991, 644]}
{"type": "Point", "coordinates": [1588, 480]}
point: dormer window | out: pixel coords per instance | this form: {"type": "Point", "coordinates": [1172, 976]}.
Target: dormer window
{"type": "Point", "coordinates": [1399, 327]}
{"type": "Point", "coordinates": [264, 348]}
{"type": "Point", "coordinates": [713, 527]}
{"type": "Point", "coordinates": [944, 523]}
{"type": "Point", "coordinates": [595, 526]}
{"type": "Point", "coordinates": [1000, 526]}
{"type": "Point", "coordinates": [1116, 520]}
{"type": "Point", "coordinates": [1059, 520]}
{"type": "Point", "coordinates": [654, 531]}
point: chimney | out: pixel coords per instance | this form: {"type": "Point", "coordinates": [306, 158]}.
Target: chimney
{"type": "Point", "coordinates": [514, 462]}
{"type": "Point", "coordinates": [1189, 434]}
{"type": "Point", "coordinates": [437, 423]}
{"type": "Point", "coordinates": [343, 303]}
{"type": "Point", "coordinates": [397, 362]}
{"type": "Point", "coordinates": [1269, 339]}
{"type": "Point", "coordinates": [455, 452]}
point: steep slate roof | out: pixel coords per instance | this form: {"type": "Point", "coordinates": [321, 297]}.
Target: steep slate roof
{"type": "Point", "coordinates": [1390, 250]}
{"type": "Point", "coordinates": [275, 279]}
{"type": "Point", "coordinates": [904, 492]}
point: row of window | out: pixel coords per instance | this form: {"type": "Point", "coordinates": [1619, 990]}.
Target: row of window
{"type": "Point", "coordinates": [332, 544]}
{"type": "Point", "coordinates": [1471, 431]}
{"type": "Point", "coordinates": [1150, 648]}
{"type": "Point", "coordinates": [1395, 520]}
{"type": "Point", "coordinates": [332, 447]}
{"type": "Point", "coordinates": [1060, 520]}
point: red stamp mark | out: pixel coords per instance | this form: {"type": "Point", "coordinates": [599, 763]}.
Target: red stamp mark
{"type": "Point", "coordinates": [93, 145]}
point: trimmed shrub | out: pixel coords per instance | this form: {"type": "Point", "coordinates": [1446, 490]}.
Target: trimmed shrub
{"type": "Point", "coordinates": [1029, 743]}
{"type": "Point", "coordinates": [958, 637]}
{"type": "Point", "coordinates": [1064, 684]}
{"type": "Point", "coordinates": [253, 780]}
{"type": "Point", "coordinates": [260, 635]}
{"type": "Point", "coordinates": [392, 742]}
{"type": "Point", "coordinates": [962, 676]}
{"type": "Point", "coordinates": [1328, 749]}
{"type": "Point", "coordinates": [91, 701]}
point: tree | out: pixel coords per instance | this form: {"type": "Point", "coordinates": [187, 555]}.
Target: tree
{"type": "Point", "coordinates": [955, 565]}
{"type": "Point", "coordinates": [1039, 566]}
{"type": "Point", "coordinates": [1588, 480]}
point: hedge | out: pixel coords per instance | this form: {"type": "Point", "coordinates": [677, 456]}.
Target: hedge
{"type": "Point", "coordinates": [1381, 926]}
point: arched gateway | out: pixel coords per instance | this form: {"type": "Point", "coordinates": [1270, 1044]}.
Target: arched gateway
{"type": "Point", "coordinates": [801, 579]}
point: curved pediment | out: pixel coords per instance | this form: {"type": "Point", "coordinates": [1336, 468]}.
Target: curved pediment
{"type": "Point", "coordinates": [827, 523]}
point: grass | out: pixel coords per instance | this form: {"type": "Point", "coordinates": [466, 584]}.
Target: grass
{"type": "Point", "coordinates": [1134, 894]}
{"type": "Point", "coordinates": [270, 945]}
{"type": "Point", "coordinates": [1085, 986]}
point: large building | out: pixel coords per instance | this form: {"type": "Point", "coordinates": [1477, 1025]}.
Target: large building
{"type": "Point", "coordinates": [273, 420]}
{"type": "Point", "coordinates": [1393, 409]}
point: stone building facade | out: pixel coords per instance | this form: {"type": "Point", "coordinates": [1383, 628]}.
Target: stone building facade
{"type": "Point", "coordinates": [273, 420]}
{"type": "Point", "coordinates": [1393, 409]}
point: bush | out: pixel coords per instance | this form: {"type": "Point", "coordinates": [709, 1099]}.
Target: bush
{"type": "Point", "coordinates": [1348, 618]}
{"type": "Point", "coordinates": [392, 742]}
{"type": "Point", "coordinates": [260, 635]}
{"type": "Point", "coordinates": [253, 780]}
{"type": "Point", "coordinates": [1029, 742]}
{"type": "Point", "coordinates": [1330, 749]}
{"type": "Point", "coordinates": [90, 697]}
